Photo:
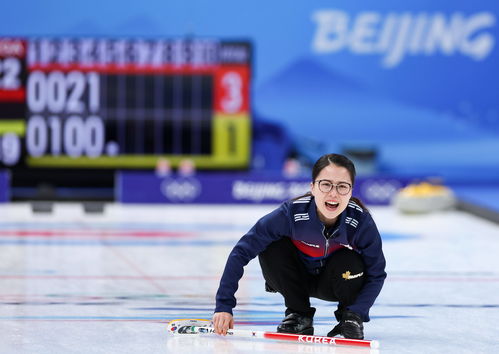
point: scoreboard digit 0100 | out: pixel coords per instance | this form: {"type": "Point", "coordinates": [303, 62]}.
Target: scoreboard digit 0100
{"type": "Point", "coordinates": [124, 103]}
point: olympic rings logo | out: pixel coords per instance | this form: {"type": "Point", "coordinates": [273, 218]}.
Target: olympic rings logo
{"type": "Point", "coordinates": [181, 189]}
{"type": "Point", "coordinates": [380, 191]}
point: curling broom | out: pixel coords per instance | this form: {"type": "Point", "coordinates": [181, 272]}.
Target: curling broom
{"type": "Point", "coordinates": [197, 326]}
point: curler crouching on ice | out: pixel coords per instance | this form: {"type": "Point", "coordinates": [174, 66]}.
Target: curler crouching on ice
{"type": "Point", "coordinates": [324, 244]}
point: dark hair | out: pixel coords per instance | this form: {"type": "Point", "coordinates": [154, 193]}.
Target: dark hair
{"type": "Point", "coordinates": [338, 160]}
{"type": "Point", "coordinates": [335, 159]}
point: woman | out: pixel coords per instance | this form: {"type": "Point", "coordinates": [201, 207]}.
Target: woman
{"type": "Point", "coordinates": [324, 244]}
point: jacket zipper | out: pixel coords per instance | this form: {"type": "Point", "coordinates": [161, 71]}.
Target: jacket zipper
{"type": "Point", "coordinates": [327, 243]}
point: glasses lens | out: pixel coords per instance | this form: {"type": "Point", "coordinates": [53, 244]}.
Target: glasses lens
{"type": "Point", "coordinates": [343, 188]}
{"type": "Point", "coordinates": [325, 186]}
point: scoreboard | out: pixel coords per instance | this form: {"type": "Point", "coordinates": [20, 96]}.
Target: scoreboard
{"type": "Point", "coordinates": [124, 103]}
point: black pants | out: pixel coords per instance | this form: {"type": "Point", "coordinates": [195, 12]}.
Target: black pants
{"type": "Point", "coordinates": [284, 272]}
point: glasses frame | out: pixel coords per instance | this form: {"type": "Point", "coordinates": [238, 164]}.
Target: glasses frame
{"type": "Point", "coordinates": [333, 185]}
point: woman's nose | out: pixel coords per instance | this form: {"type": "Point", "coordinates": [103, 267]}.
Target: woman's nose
{"type": "Point", "coordinates": [333, 191]}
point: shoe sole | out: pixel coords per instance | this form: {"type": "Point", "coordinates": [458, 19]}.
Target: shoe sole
{"type": "Point", "coordinates": [306, 331]}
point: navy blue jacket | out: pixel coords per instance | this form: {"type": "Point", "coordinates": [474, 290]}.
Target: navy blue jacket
{"type": "Point", "coordinates": [298, 220]}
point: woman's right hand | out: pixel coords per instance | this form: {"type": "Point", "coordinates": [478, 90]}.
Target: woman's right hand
{"type": "Point", "coordinates": [222, 321]}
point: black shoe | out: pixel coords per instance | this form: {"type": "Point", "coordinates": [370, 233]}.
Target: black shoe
{"type": "Point", "coordinates": [350, 326]}
{"type": "Point", "coordinates": [297, 324]}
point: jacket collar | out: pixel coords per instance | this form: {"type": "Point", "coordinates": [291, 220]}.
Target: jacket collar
{"type": "Point", "coordinates": [339, 230]}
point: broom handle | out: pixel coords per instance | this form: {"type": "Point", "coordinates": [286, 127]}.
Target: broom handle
{"type": "Point", "coordinates": [300, 338]}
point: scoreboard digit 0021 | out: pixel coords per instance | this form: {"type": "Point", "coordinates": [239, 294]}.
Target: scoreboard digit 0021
{"type": "Point", "coordinates": [124, 103]}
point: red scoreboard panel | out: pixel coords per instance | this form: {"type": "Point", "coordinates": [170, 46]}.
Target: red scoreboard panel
{"type": "Point", "coordinates": [124, 103]}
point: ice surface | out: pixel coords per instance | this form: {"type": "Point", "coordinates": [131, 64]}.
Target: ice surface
{"type": "Point", "coordinates": [72, 282]}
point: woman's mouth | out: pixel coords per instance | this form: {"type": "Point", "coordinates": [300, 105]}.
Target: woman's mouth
{"type": "Point", "coordinates": [332, 206]}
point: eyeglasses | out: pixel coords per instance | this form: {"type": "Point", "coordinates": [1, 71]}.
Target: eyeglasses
{"type": "Point", "coordinates": [326, 186]}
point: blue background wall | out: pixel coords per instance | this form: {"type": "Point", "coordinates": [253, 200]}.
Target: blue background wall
{"type": "Point", "coordinates": [432, 111]}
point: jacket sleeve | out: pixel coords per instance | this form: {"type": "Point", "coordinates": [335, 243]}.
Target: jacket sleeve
{"type": "Point", "coordinates": [368, 242]}
{"type": "Point", "coordinates": [268, 229]}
